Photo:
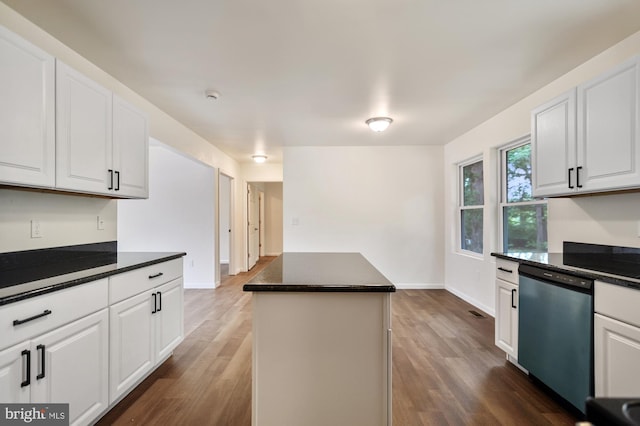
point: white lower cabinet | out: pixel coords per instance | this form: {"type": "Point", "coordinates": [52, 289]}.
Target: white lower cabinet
{"type": "Point", "coordinates": [130, 343]}
{"type": "Point", "coordinates": [506, 325]}
{"type": "Point", "coordinates": [617, 352]}
{"type": "Point", "coordinates": [616, 341]}
{"type": "Point", "coordinates": [144, 331]}
{"type": "Point", "coordinates": [506, 321]}
{"type": "Point", "coordinates": [66, 365]}
{"type": "Point", "coordinates": [90, 344]}
{"type": "Point", "coordinates": [14, 381]}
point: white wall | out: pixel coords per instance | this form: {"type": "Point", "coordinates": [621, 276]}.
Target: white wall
{"type": "Point", "coordinates": [612, 219]}
{"type": "Point", "coordinates": [263, 172]}
{"type": "Point", "coordinates": [604, 219]}
{"type": "Point", "coordinates": [273, 218]}
{"type": "Point", "coordinates": [64, 219]}
{"type": "Point", "coordinates": [385, 202]}
{"type": "Point", "coordinates": [178, 216]}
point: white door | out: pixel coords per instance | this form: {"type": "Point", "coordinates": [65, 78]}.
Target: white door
{"type": "Point", "coordinates": [616, 355]}
{"type": "Point", "coordinates": [506, 324]}
{"type": "Point", "coordinates": [27, 113]}
{"type": "Point", "coordinates": [71, 365]}
{"type": "Point", "coordinates": [83, 133]}
{"type": "Point", "coordinates": [14, 383]}
{"type": "Point", "coordinates": [130, 150]}
{"type": "Point", "coordinates": [253, 231]}
{"type": "Point", "coordinates": [609, 128]}
{"type": "Point", "coordinates": [169, 320]}
{"type": "Point", "coordinates": [130, 342]}
{"type": "Point", "coordinates": [553, 146]}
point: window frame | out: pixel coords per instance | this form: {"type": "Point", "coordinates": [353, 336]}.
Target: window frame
{"type": "Point", "coordinates": [461, 207]}
{"type": "Point", "coordinates": [502, 186]}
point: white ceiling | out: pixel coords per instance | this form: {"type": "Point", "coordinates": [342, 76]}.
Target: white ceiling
{"type": "Point", "coordinates": [301, 72]}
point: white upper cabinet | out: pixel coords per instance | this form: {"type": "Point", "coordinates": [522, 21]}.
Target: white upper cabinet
{"type": "Point", "coordinates": [102, 140]}
{"type": "Point", "coordinates": [130, 149]}
{"type": "Point", "coordinates": [84, 142]}
{"type": "Point", "coordinates": [587, 139]}
{"type": "Point", "coordinates": [553, 130]}
{"type": "Point", "coordinates": [608, 129]}
{"type": "Point", "coordinates": [27, 113]}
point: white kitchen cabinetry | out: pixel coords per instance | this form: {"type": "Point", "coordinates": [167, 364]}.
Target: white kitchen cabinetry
{"type": "Point", "coordinates": [27, 113]}
{"type": "Point", "coordinates": [144, 327]}
{"type": "Point", "coordinates": [101, 142]}
{"type": "Point", "coordinates": [84, 142]}
{"type": "Point", "coordinates": [506, 321]}
{"type": "Point", "coordinates": [616, 341]}
{"type": "Point", "coordinates": [130, 149]}
{"type": "Point", "coordinates": [553, 136]}
{"type": "Point", "coordinates": [587, 139]}
{"type": "Point", "coordinates": [13, 378]}
{"type": "Point", "coordinates": [69, 362]}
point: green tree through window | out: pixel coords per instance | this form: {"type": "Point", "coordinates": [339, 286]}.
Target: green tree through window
{"type": "Point", "coordinates": [524, 227]}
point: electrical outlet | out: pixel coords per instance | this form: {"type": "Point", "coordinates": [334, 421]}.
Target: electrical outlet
{"type": "Point", "coordinates": [36, 229]}
{"type": "Point", "coordinates": [100, 223]}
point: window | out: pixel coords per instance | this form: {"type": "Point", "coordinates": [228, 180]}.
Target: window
{"type": "Point", "coordinates": [471, 206]}
{"type": "Point", "coordinates": [524, 219]}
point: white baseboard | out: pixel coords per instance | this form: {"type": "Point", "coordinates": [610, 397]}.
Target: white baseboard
{"type": "Point", "coordinates": [224, 261]}
{"type": "Point", "coordinates": [273, 254]}
{"type": "Point", "coordinates": [209, 284]}
{"type": "Point", "coordinates": [419, 286]}
{"type": "Point", "coordinates": [472, 301]}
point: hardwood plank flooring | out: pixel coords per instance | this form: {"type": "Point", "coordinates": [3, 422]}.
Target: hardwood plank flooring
{"type": "Point", "coordinates": [446, 368]}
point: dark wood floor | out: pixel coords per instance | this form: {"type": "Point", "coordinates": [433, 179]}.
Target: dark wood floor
{"type": "Point", "coordinates": [446, 369]}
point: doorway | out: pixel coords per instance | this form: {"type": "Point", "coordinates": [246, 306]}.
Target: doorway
{"type": "Point", "coordinates": [225, 183]}
{"type": "Point", "coordinates": [254, 231]}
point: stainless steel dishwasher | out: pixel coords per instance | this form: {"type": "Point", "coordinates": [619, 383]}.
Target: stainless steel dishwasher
{"type": "Point", "coordinates": [555, 332]}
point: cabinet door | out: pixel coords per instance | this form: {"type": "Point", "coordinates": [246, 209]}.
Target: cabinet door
{"type": "Point", "coordinates": [608, 129]}
{"type": "Point", "coordinates": [553, 146]}
{"type": "Point", "coordinates": [130, 342]}
{"type": "Point", "coordinates": [130, 150]}
{"type": "Point", "coordinates": [27, 114]}
{"type": "Point", "coordinates": [169, 319]}
{"type": "Point", "coordinates": [617, 351]}
{"type": "Point", "coordinates": [13, 373]}
{"type": "Point", "coordinates": [70, 364]}
{"type": "Point", "coordinates": [506, 324]}
{"type": "Point", "coordinates": [83, 133]}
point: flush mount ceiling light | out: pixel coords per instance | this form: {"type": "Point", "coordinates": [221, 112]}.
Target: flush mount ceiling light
{"type": "Point", "coordinates": [259, 158]}
{"type": "Point", "coordinates": [379, 124]}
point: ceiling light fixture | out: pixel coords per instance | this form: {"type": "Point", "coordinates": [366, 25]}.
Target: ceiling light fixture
{"type": "Point", "coordinates": [259, 158]}
{"type": "Point", "coordinates": [379, 124]}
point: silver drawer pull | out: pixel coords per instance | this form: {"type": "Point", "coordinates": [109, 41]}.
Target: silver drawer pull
{"type": "Point", "coordinates": [44, 314]}
{"type": "Point", "coordinates": [505, 270]}
{"type": "Point", "coordinates": [159, 274]}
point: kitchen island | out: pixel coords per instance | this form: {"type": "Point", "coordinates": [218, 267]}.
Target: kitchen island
{"type": "Point", "coordinates": [321, 341]}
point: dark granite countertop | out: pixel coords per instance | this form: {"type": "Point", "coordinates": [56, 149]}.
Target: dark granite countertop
{"type": "Point", "coordinates": [35, 272]}
{"type": "Point", "coordinates": [320, 272]}
{"type": "Point", "coordinates": [555, 262]}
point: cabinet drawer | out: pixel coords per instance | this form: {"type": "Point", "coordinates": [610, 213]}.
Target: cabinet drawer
{"type": "Point", "coordinates": [617, 302]}
{"type": "Point", "coordinates": [507, 270]}
{"type": "Point", "coordinates": [134, 282]}
{"type": "Point", "coordinates": [64, 306]}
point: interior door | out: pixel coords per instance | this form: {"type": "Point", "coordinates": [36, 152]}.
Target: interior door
{"type": "Point", "coordinates": [253, 231]}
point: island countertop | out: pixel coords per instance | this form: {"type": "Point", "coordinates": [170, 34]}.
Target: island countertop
{"type": "Point", "coordinates": [320, 272]}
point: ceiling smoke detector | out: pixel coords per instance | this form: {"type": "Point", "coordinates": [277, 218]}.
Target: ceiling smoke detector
{"type": "Point", "coordinates": [212, 94]}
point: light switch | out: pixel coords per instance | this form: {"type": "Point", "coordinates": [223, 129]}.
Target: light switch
{"type": "Point", "coordinates": [100, 223]}
{"type": "Point", "coordinates": [36, 229]}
